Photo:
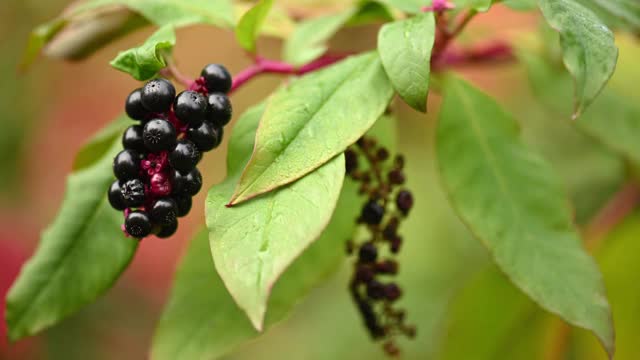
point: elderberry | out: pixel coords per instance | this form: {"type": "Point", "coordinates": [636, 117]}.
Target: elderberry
{"type": "Point", "coordinates": [217, 78]}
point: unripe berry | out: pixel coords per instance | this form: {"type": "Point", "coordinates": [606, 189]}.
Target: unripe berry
{"type": "Point", "coordinates": [164, 211]}
{"type": "Point", "coordinates": [126, 165]}
{"type": "Point", "coordinates": [404, 201]}
{"type": "Point", "coordinates": [133, 106]}
{"type": "Point", "coordinates": [132, 139]}
{"type": "Point", "coordinates": [191, 107]}
{"type": "Point", "coordinates": [184, 156]}
{"type": "Point", "coordinates": [184, 203]}
{"type": "Point", "coordinates": [133, 192]}
{"type": "Point", "coordinates": [220, 109]}
{"type": "Point", "coordinates": [138, 224]}
{"type": "Point", "coordinates": [372, 213]}
{"type": "Point", "coordinates": [368, 253]}
{"type": "Point", "coordinates": [217, 78]}
{"type": "Point", "coordinates": [157, 95]}
{"type": "Point", "coordinates": [206, 136]}
{"type": "Point", "coordinates": [168, 229]}
{"type": "Point", "coordinates": [159, 135]}
{"type": "Point", "coordinates": [115, 196]}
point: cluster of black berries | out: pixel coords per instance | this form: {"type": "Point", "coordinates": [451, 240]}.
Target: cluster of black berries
{"type": "Point", "coordinates": [156, 172]}
{"type": "Point", "coordinates": [387, 205]}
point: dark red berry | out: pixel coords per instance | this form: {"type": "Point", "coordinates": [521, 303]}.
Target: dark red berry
{"type": "Point", "coordinates": [364, 274]}
{"type": "Point", "coordinates": [382, 154]}
{"type": "Point", "coordinates": [115, 196]}
{"type": "Point", "coordinates": [206, 136]}
{"type": "Point", "coordinates": [190, 107]}
{"type": "Point", "coordinates": [216, 78]}
{"type": "Point", "coordinates": [396, 177]}
{"type": "Point", "coordinates": [396, 243]}
{"type": "Point", "coordinates": [372, 213]}
{"type": "Point", "coordinates": [220, 109]}
{"type": "Point", "coordinates": [133, 192]}
{"type": "Point", "coordinates": [138, 224]}
{"type": "Point", "coordinates": [404, 201]}
{"type": "Point", "coordinates": [133, 106]}
{"type": "Point", "coordinates": [126, 165]}
{"type": "Point", "coordinates": [388, 267]}
{"type": "Point", "coordinates": [392, 292]}
{"type": "Point", "coordinates": [375, 290]}
{"type": "Point", "coordinates": [368, 253]}
{"type": "Point", "coordinates": [164, 211]}
{"type": "Point", "coordinates": [157, 95]}
{"type": "Point", "coordinates": [159, 135]}
{"type": "Point", "coordinates": [132, 139]}
{"type": "Point", "coordinates": [184, 203]}
{"type": "Point", "coordinates": [184, 156]}
{"type": "Point", "coordinates": [168, 229]}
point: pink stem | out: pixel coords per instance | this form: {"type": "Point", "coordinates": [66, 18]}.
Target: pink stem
{"type": "Point", "coordinates": [484, 53]}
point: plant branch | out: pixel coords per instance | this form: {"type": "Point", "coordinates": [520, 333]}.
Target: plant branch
{"type": "Point", "coordinates": [172, 71]}
{"type": "Point", "coordinates": [489, 53]}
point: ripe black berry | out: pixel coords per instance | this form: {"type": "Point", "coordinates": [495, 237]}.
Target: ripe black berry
{"type": "Point", "coordinates": [185, 156]}
{"type": "Point", "coordinates": [168, 229]}
{"type": "Point", "coordinates": [404, 201]}
{"type": "Point", "coordinates": [115, 196]}
{"type": "Point", "coordinates": [184, 203]}
{"type": "Point", "coordinates": [190, 107]}
{"type": "Point", "coordinates": [164, 211]}
{"type": "Point", "coordinates": [138, 224]}
{"type": "Point", "coordinates": [126, 165]}
{"type": "Point", "coordinates": [220, 109]}
{"type": "Point", "coordinates": [133, 192]}
{"type": "Point", "coordinates": [368, 253]}
{"type": "Point", "coordinates": [206, 136]}
{"type": "Point", "coordinates": [192, 182]}
{"type": "Point", "coordinates": [133, 106]}
{"type": "Point", "coordinates": [159, 135]}
{"type": "Point", "coordinates": [217, 78]}
{"type": "Point", "coordinates": [350, 161]}
{"type": "Point", "coordinates": [132, 139]}
{"type": "Point", "coordinates": [372, 213]}
{"type": "Point", "coordinates": [157, 95]}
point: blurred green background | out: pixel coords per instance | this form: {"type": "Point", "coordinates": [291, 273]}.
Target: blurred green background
{"type": "Point", "coordinates": [463, 307]}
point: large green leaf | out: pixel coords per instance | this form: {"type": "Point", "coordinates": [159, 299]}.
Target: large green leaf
{"type": "Point", "coordinates": [310, 121]}
{"type": "Point", "coordinates": [589, 51]}
{"type": "Point", "coordinates": [250, 23]}
{"type": "Point", "coordinates": [409, 6]}
{"type": "Point", "coordinates": [81, 254]}
{"type": "Point", "coordinates": [477, 5]}
{"type": "Point", "coordinates": [624, 14]}
{"type": "Point", "coordinates": [101, 142]}
{"type": "Point", "coordinates": [254, 243]}
{"type": "Point", "coordinates": [145, 61]}
{"type": "Point", "coordinates": [511, 200]}
{"type": "Point", "coordinates": [405, 50]}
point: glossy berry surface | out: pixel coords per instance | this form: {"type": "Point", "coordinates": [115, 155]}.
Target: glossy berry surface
{"type": "Point", "coordinates": [133, 106]}
{"type": "Point", "coordinates": [138, 224]}
{"type": "Point", "coordinates": [132, 139]}
{"type": "Point", "coordinates": [217, 78]}
{"type": "Point", "coordinates": [158, 95]}
{"type": "Point", "coordinates": [184, 156]}
{"type": "Point", "coordinates": [404, 201]}
{"type": "Point", "coordinates": [191, 107]}
{"type": "Point", "coordinates": [184, 203]}
{"type": "Point", "coordinates": [168, 229]}
{"type": "Point", "coordinates": [164, 211]}
{"type": "Point", "coordinates": [372, 213]}
{"type": "Point", "coordinates": [220, 109]}
{"type": "Point", "coordinates": [206, 136]}
{"type": "Point", "coordinates": [126, 165]}
{"type": "Point", "coordinates": [133, 192]}
{"type": "Point", "coordinates": [192, 182]}
{"type": "Point", "coordinates": [159, 135]}
{"type": "Point", "coordinates": [115, 196]}
{"type": "Point", "coordinates": [368, 253]}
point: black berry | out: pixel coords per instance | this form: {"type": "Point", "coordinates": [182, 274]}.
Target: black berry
{"type": "Point", "coordinates": [133, 106]}
{"type": "Point", "coordinates": [220, 109]}
{"type": "Point", "coordinates": [217, 78]}
{"type": "Point", "coordinates": [404, 201]}
{"type": "Point", "coordinates": [138, 224]}
{"type": "Point", "coordinates": [185, 156]}
{"type": "Point", "coordinates": [184, 203]}
{"type": "Point", "coordinates": [157, 95]}
{"type": "Point", "coordinates": [164, 211]}
{"type": "Point", "coordinates": [115, 196]}
{"type": "Point", "coordinates": [133, 192]}
{"type": "Point", "coordinates": [191, 107]}
{"type": "Point", "coordinates": [192, 182]}
{"type": "Point", "coordinates": [168, 229]}
{"type": "Point", "coordinates": [396, 177]}
{"type": "Point", "coordinates": [126, 165]}
{"type": "Point", "coordinates": [206, 136]}
{"type": "Point", "coordinates": [350, 161]}
{"type": "Point", "coordinates": [132, 139]}
{"type": "Point", "coordinates": [372, 213]}
{"type": "Point", "coordinates": [368, 253]}
{"type": "Point", "coordinates": [159, 135]}
{"type": "Point", "coordinates": [375, 290]}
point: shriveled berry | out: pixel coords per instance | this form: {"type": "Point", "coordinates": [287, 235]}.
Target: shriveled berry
{"type": "Point", "coordinates": [184, 156]}
{"type": "Point", "coordinates": [133, 192]}
{"type": "Point", "coordinates": [132, 139]}
{"type": "Point", "coordinates": [220, 109]}
{"type": "Point", "coordinates": [184, 203]}
{"type": "Point", "coordinates": [404, 201]}
{"type": "Point", "coordinates": [126, 165]}
{"type": "Point", "coordinates": [115, 196]}
{"type": "Point", "coordinates": [206, 136]}
{"type": "Point", "coordinates": [368, 253]}
{"type": "Point", "coordinates": [396, 177]}
{"type": "Point", "coordinates": [133, 106]}
{"type": "Point", "coordinates": [168, 229]}
{"type": "Point", "coordinates": [157, 95]}
{"type": "Point", "coordinates": [159, 135]}
{"type": "Point", "coordinates": [375, 290]}
{"type": "Point", "coordinates": [392, 292]}
{"type": "Point", "coordinates": [217, 78]}
{"type": "Point", "coordinates": [190, 107]}
{"type": "Point", "coordinates": [138, 224]}
{"type": "Point", "coordinates": [164, 211]}
{"type": "Point", "coordinates": [372, 213]}
{"type": "Point", "coordinates": [350, 161]}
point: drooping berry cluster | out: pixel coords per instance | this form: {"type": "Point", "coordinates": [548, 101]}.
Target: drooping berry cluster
{"type": "Point", "coordinates": [387, 205]}
{"type": "Point", "coordinates": [156, 172]}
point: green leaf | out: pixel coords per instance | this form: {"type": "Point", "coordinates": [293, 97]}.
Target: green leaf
{"type": "Point", "coordinates": [100, 144]}
{"type": "Point", "coordinates": [511, 200]}
{"type": "Point", "coordinates": [588, 46]}
{"type": "Point", "coordinates": [38, 38]}
{"type": "Point", "coordinates": [250, 23]}
{"type": "Point", "coordinates": [277, 22]}
{"type": "Point", "coordinates": [254, 243]}
{"type": "Point", "coordinates": [145, 61]}
{"type": "Point", "coordinates": [405, 50]}
{"type": "Point", "coordinates": [408, 6]}
{"type": "Point", "coordinates": [81, 254]}
{"type": "Point", "coordinates": [310, 121]}
{"type": "Point", "coordinates": [623, 14]}
{"type": "Point", "coordinates": [521, 5]}
{"type": "Point", "coordinates": [477, 5]}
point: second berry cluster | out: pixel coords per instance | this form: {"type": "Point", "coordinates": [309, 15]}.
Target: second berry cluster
{"type": "Point", "coordinates": [156, 172]}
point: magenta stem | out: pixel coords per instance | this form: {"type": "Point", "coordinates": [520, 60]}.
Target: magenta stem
{"type": "Point", "coordinates": [489, 53]}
